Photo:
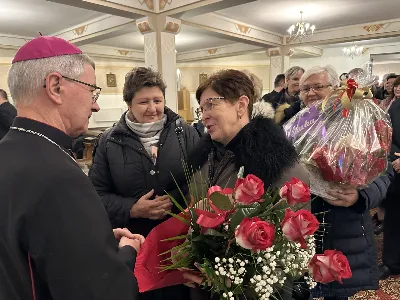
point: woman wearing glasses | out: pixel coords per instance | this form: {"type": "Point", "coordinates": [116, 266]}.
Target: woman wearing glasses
{"type": "Point", "coordinates": [235, 139]}
{"type": "Point", "coordinates": [135, 162]}
{"type": "Point", "coordinates": [348, 223]}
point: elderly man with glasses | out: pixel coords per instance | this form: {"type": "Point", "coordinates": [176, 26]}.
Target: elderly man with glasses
{"type": "Point", "coordinates": [345, 222]}
{"type": "Point", "coordinates": [55, 238]}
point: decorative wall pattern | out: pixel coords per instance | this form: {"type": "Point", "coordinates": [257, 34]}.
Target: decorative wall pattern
{"type": "Point", "coordinates": [144, 27]}
{"type": "Point", "coordinates": [243, 29]}
{"type": "Point", "coordinates": [149, 3]}
{"type": "Point", "coordinates": [172, 27]}
{"type": "Point", "coordinates": [373, 27]}
{"type": "Point", "coordinates": [123, 52]}
{"type": "Point", "coordinates": [212, 51]}
{"type": "Point", "coordinates": [168, 42]}
{"type": "Point", "coordinates": [163, 3]}
{"type": "Point", "coordinates": [149, 46]}
{"type": "Point", "coordinates": [80, 30]}
{"type": "Point", "coordinates": [276, 62]}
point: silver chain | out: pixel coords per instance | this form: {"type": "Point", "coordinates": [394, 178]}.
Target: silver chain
{"type": "Point", "coordinates": [42, 136]}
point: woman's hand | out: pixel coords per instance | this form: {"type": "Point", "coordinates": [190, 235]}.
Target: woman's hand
{"type": "Point", "coordinates": [345, 196]}
{"type": "Point", "coordinates": [151, 209]}
{"type": "Point", "coordinates": [396, 164]}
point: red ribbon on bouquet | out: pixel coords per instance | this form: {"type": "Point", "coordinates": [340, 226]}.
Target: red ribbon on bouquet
{"type": "Point", "coordinates": [207, 219]}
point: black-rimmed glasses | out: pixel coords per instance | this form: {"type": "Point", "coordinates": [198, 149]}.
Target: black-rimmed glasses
{"type": "Point", "coordinates": [96, 91]}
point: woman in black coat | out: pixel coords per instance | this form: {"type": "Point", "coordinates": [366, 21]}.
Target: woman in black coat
{"type": "Point", "coordinates": [345, 222]}
{"type": "Point", "coordinates": [391, 237]}
{"type": "Point", "coordinates": [135, 162]}
{"type": "Point", "coordinates": [349, 229]}
{"type": "Point", "coordinates": [235, 138]}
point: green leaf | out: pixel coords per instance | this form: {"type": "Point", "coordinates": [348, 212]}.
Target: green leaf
{"type": "Point", "coordinates": [221, 201]}
{"type": "Point", "coordinates": [242, 213]}
{"type": "Point", "coordinates": [177, 204]}
{"type": "Point", "coordinates": [179, 237]}
{"type": "Point", "coordinates": [183, 245]}
{"type": "Point", "coordinates": [180, 191]}
{"type": "Point", "coordinates": [178, 217]}
{"type": "Point", "coordinates": [213, 232]}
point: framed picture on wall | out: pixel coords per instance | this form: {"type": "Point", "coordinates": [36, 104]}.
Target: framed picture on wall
{"type": "Point", "coordinates": [111, 80]}
{"type": "Point", "coordinates": [202, 78]}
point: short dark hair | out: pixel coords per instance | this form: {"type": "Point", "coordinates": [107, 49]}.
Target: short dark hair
{"type": "Point", "coordinates": [139, 78]}
{"type": "Point", "coordinates": [395, 84]}
{"type": "Point", "coordinates": [392, 76]}
{"type": "Point", "coordinates": [279, 79]}
{"type": "Point", "coordinates": [3, 94]}
{"type": "Point", "coordinates": [230, 84]}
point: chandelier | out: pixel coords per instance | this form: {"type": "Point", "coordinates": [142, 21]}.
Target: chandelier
{"type": "Point", "coordinates": [353, 51]}
{"type": "Point", "coordinates": [301, 29]}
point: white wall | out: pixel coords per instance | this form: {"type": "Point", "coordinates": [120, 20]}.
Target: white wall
{"type": "Point", "coordinates": [334, 57]}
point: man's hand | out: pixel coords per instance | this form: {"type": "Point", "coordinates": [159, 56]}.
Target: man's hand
{"type": "Point", "coordinates": [120, 232]}
{"type": "Point", "coordinates": [135, 243]}
{"type": "Point", "coordinates": [151, 209]}
{"type": "Point", "coordinates": [124, 232]}
{"type": "Point", "coordinates": [346, 197]}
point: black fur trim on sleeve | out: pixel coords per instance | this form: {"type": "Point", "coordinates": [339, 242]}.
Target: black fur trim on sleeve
{"type": "Point", "coordinates": [263, 149]}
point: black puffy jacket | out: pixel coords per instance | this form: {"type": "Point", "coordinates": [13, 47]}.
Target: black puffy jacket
{"type": "Point", "coordinates": [122, 170]}
{"type": "Point", "coordinates": [349, 229]}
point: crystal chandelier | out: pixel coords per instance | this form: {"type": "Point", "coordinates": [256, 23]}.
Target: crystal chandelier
{"type": "Point", "coordinates": [353, 51]}
{"type": "Point", "coordinates": [301, 29]}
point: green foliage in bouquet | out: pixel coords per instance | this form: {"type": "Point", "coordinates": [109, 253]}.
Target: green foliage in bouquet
{"type": "Point", "coordinates": [247, 239]}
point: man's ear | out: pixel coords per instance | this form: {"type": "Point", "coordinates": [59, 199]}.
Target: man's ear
{"type": "Point", "coordinates": [54, 87]}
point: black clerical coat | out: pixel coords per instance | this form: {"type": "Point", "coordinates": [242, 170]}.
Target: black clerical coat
{"type": "Point", "coordinates": [50, 211]}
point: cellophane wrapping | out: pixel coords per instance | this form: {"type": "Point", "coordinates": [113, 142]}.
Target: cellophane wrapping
{"type": "Point", "coordinates": [339, 146]}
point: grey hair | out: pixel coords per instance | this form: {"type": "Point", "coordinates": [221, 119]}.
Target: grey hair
{"type": "Point", "coordinates": [293, 72]}
{"type": "Point", "coordinates": [333, 77]}
{"type": "Point", "coordinates": [257, 83]}
{"type": "Point", "coordinates": [26, 78]}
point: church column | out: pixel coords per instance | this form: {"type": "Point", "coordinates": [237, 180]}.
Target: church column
{"type": "Point", "coordinates": [279, 62]}
{"type": "Point", "coordinates": [159, 49]}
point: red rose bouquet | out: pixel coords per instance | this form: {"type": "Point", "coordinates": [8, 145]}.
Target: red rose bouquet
{"type": "Point", "coordinates": [346, 141]}
{"type": "Point", "coordinates": [238, 240]}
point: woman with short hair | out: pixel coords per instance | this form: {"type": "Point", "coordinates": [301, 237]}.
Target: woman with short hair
{"type": "Point", "coordinates": [136, 161]}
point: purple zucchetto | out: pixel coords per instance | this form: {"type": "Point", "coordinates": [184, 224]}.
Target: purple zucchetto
{"type": "Point", "coordinates": [44, 47]}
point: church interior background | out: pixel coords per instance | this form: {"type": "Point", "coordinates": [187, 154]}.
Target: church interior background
{"type": "Point", "coordinates": [186, 40]}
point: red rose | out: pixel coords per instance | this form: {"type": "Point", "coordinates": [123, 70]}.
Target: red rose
{"type": "Point", "coordinates": [249, 190]}
{"type": "Point", "coordinates": [299, 224]}
{"type": "Point", "coordinates": [384, 134]}
{"type": "Point", "coordinates": [295, 191]}
{"type": "Point", "coordinates": [330, 266]}
{"type": "Point", "coordinates": [254, 234]}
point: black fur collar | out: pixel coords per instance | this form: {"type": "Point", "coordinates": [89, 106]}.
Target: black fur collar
{"type": "Point", "coordinates": [261, 147]}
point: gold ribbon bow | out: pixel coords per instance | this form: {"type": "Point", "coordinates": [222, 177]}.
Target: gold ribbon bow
{"type": "Point", "coordinates": [348, 92]}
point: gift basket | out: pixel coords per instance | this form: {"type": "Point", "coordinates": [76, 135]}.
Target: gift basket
{"type": "Point", "coordinates": [344, 139]}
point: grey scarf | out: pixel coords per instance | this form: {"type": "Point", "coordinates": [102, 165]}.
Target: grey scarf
{"type": "Point", "coordinates": [148, 133]}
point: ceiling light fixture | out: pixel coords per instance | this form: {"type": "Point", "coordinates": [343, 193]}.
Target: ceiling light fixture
{"type": "Point", "coordinates": [353, 51]}
{"type": "Point", "coordinates": [301, 29]}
